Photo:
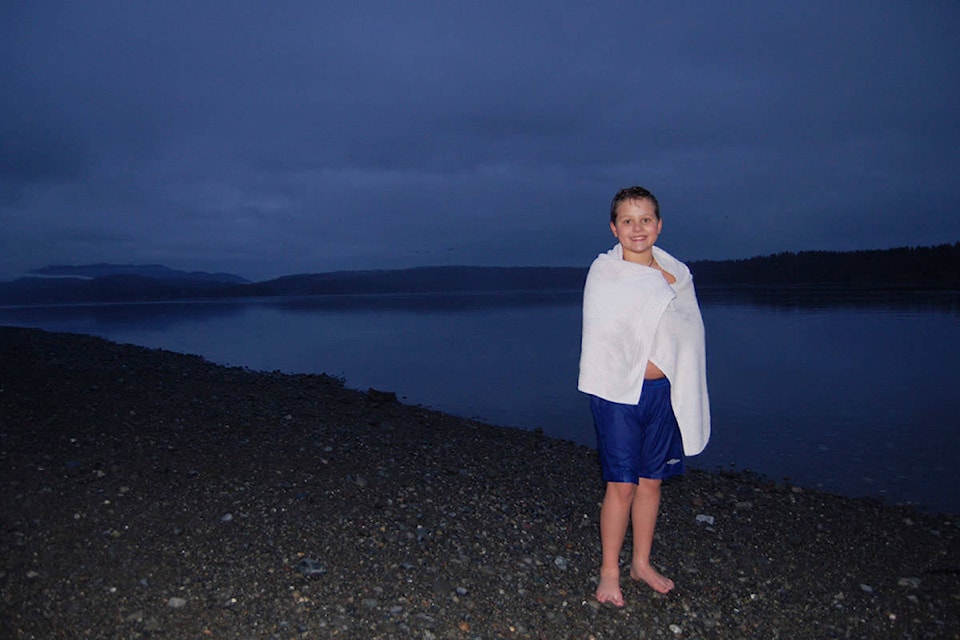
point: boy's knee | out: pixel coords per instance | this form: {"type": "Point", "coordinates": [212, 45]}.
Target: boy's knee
{"type": "Point", "coordinates": [621, 490]}
{"type": "Point", "coordinates": [649, 485]}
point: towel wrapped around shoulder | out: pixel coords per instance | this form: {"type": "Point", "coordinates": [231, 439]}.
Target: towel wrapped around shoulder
{"type": "Point", "coordinates": [631, 315]}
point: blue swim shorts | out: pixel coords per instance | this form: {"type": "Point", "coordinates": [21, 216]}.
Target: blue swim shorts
{"type": "Point", "coordinates": [641, 440]}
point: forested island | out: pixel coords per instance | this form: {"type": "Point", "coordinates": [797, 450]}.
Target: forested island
{"type": "Point", "coordinates": [917, 268]}
{"type": "Point", "coordinates": [923, 267]}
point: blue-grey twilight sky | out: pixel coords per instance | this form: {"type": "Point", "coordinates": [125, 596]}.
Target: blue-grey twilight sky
{"type": "Point", "coordinates": [298, 136]}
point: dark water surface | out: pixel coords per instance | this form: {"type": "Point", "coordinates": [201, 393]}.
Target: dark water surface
{"type": "Point", "coordinates": [855, 393]}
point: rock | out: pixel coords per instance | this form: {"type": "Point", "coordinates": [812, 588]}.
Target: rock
{"type": "Point", "coordinates": [176, 603]}
{"type": "Point", "coordinates": [703, 518]}
{"type": "Point", "coordinates": [310, 567]}
{"type": "Point", "coordinates": [442, 586]}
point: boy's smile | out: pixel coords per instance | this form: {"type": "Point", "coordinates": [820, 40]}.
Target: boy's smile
{"type": "Point", "coordinates": [637, 229]}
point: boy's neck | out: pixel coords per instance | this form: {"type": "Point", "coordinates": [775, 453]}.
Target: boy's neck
{"type": "Point", "coordinates": [646, 258]}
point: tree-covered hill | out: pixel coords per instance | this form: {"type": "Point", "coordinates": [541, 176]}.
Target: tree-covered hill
{"type": "Point", "coordinates": [906, 267]}
{"type": "Point", "coordinates": [937, 266]}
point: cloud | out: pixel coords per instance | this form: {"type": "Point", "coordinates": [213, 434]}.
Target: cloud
{"type": "Point", "coordinates": [268, 138]}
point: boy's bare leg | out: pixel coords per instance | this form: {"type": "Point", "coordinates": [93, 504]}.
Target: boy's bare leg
{"type": "Point", "coordinates": [614, 517]}
{"type": "Point", "coordinates": [646, 505]}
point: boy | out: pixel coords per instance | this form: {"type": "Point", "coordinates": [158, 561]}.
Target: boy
{"type": "Point", "coordinates": [643, 363]}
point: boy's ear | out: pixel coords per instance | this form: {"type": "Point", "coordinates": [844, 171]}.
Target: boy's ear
{"type": "Point", "coordinates": [613, 229]}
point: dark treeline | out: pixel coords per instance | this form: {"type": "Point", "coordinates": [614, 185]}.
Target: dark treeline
{"type": "Point", "coordinates": [422, 280]}
{"type": "Point", "coordinates": [937, 267]}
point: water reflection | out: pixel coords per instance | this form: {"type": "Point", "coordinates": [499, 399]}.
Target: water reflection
{"type": "Point", "coordinates": [434, 302]}
{"type": "Point", "coordinates": [94, 318]}
{"type": "Point", "coordinates": [825, 297]}
{"type": "Point", "coordinates": [165, 313]}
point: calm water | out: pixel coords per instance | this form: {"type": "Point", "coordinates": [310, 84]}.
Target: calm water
{"type": "Point", "coordinates": [856, 395]}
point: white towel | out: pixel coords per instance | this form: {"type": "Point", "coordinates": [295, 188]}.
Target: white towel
{"type": "Point", "coordinates": [631, 315]}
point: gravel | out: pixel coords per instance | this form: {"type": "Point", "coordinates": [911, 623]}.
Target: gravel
{"type": "Point", "coordinates": [148, 494]}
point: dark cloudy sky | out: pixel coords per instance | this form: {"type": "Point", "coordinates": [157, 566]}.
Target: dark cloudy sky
{"type": "Point", "coordinates": [269, 138]}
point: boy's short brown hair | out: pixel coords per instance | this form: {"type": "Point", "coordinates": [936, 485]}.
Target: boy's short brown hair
{"type": "Point", "coordinates": [632, 193]}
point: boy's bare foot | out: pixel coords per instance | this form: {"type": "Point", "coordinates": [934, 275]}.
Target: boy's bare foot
{"type": "Point", "coordinates": [652, 577]}
{"type": "Point", "coordinates": [609, 590]}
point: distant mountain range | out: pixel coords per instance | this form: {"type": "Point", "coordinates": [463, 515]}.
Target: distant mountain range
{"type": "Point", "coordinates": [155, 271]}
{"type": "Point", "coordinates": [910, 267]}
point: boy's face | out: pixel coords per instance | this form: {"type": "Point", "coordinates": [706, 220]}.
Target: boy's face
{"type": "Point", "coordinates": [637, 228]}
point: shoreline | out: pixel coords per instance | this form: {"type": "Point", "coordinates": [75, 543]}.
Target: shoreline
{"type": "Point", "coordinates": [153, 494]}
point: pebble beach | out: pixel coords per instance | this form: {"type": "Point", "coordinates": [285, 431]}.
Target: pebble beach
{"type": "Point", "coordinates": [150, 494]}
